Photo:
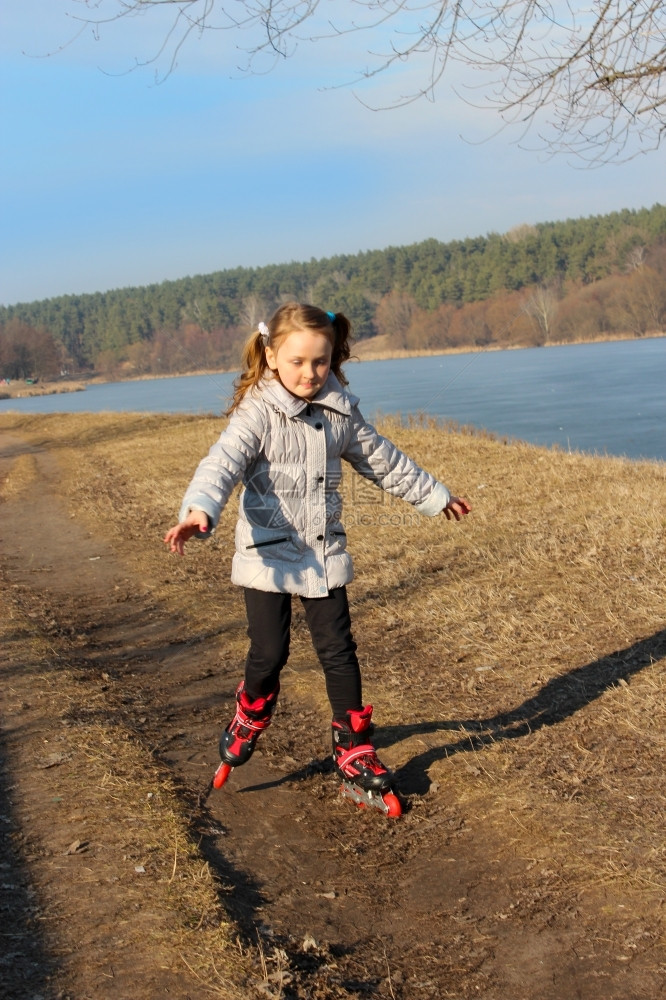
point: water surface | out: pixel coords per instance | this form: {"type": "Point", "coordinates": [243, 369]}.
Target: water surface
{"type": "Point", "coordinates": [606, 398]}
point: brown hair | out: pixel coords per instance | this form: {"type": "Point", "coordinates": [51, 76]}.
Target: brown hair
{"type": "Point", "coordinates": [289, 317]}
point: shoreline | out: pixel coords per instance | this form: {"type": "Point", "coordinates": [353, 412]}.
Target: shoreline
{"type": "Point", "coordinates": [364, 350]}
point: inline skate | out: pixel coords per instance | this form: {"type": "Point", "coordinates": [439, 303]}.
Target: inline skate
{"type": "Point", "coordinates": [365, 780]}
{"type": "Point", "coordinates": [239, 738]}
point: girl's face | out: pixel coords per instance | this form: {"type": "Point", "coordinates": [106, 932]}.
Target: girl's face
{"type": "Point", "coordinates": [302, 362]}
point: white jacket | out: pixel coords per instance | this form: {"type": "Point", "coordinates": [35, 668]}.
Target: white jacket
{"type": "Point", "coordinates": [288, 451]}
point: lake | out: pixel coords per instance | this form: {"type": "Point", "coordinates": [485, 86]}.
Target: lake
{"type": "Point", "coordinates": [606, 398]}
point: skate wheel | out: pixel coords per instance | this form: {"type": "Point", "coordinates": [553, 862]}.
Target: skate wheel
{"type": "Point", "coordinates": [221, 775]}
{"type": "Point", "coordinates": [392, 803]}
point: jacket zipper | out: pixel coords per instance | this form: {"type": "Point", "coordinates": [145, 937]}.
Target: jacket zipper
{"type": "Point", "coordinates": [271, 541]}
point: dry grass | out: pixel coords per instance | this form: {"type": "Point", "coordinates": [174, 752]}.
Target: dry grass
{"type": "Point", "coordinates": [121, 814]}
{"type": "Point", "coordinates": [530, 638]}
{"type": "Point", "coordinates": [22, 390]}
{"type": "Point", "coordinates": [379, 349]}
{"type": "Point", "coordinates": [22, 475]}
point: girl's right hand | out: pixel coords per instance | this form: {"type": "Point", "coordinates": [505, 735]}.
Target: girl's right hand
{"type": "Point", "coordinates": [195, 522]}
{"type": "Point", "coordinates": [457, 507]}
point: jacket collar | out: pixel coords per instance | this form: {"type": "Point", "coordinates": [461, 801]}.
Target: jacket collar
{"type": "Point", "coordinates": [331, 396]}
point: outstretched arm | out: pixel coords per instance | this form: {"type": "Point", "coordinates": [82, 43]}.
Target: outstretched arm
{"type": "Point", "coordinates": [382, 462]}
{"type": "Point", "coordinates": [216, 475]}
{"type": "Point", "coordinates": [196, 523]}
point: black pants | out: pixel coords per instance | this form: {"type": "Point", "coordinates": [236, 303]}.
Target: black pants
{"type": "Point", "coordinates": [269, 625]}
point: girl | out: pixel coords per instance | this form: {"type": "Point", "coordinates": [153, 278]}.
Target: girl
{"type": "Point", "coordinates": [292, 421]}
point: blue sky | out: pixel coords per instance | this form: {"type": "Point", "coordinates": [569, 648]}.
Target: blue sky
{"type": "Point", "coordinates": [108, 179]}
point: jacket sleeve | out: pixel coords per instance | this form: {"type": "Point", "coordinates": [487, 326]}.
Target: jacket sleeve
{"type": "Point", "coordinates": [376, 458]}
{"type": "Point", "coordinates": [224, 466]}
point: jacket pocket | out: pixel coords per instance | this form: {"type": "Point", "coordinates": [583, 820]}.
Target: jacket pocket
{"type": "Point", "coordinates": [336, 542]}
{"type": "Point", "coordinates": [269, 541]}
{"type": "Point", "coordinates": [271, 547]}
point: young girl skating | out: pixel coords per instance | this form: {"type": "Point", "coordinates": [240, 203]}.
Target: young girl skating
{"type": "Point", "coordinates": [292, 420]}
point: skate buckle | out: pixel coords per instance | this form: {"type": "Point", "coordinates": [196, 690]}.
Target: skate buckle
{"type": "Point", "coordinates": [386, 801]}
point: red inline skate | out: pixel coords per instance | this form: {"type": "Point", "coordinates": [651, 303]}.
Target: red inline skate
{"type": "Point", "coordinates": [239, 738]}
{"type": "Point", "coordinates": [365, 780]}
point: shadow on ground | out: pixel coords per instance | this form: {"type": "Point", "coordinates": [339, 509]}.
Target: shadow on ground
{"type": "Point", "coordinates": [25, 964]}
{"type": "Point", "coordinates": [559, 699]}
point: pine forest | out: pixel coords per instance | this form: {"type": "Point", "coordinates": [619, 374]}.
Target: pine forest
{"type": "Point", "coordinates": [555, 282]}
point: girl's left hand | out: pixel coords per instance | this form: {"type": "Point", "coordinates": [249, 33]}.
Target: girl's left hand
{"type": "Point", "coordinates": [457, 507]}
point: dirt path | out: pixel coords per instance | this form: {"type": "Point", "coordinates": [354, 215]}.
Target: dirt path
{"type": "Point", "coordinates": [331, 902]}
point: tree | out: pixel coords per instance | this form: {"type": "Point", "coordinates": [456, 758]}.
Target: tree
{"type": "Point", "coordinates": [252, 311]}
{"type": "Point", "coordinates": [394, 316]}
{"type": "Point", "coordinates": [28, 353]}
{"type": "Point", "coordinates": [429, 330]}
{"type": "Point", "coordinates": [541, 304]}
{"type": "Point", "coordinates": [599, 72]}
{"type": "Point", "coordinates": [641, 301]}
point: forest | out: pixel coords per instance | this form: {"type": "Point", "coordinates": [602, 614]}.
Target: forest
{"type": "Point", "coordinates": [553, 282]}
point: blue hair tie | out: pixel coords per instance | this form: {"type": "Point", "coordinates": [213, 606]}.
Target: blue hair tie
{"type": "Point", "coordinates": [331, 316]}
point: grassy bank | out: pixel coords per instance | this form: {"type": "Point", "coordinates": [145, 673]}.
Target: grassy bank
{"type": "Point", "coordinates": [19, 389]}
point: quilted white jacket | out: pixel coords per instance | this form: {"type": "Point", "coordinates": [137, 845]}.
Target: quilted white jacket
{"type": "Point", "coordinates": [287, 452]}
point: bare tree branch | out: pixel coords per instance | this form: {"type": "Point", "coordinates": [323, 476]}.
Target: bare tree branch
{"type": "Point", "coordinates": [596, 75]}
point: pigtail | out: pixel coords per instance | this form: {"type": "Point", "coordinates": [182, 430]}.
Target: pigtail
{"type": "Point", "coordinates": [253, 366]}
{"type": "Point", "coordinates": [341, 347]}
